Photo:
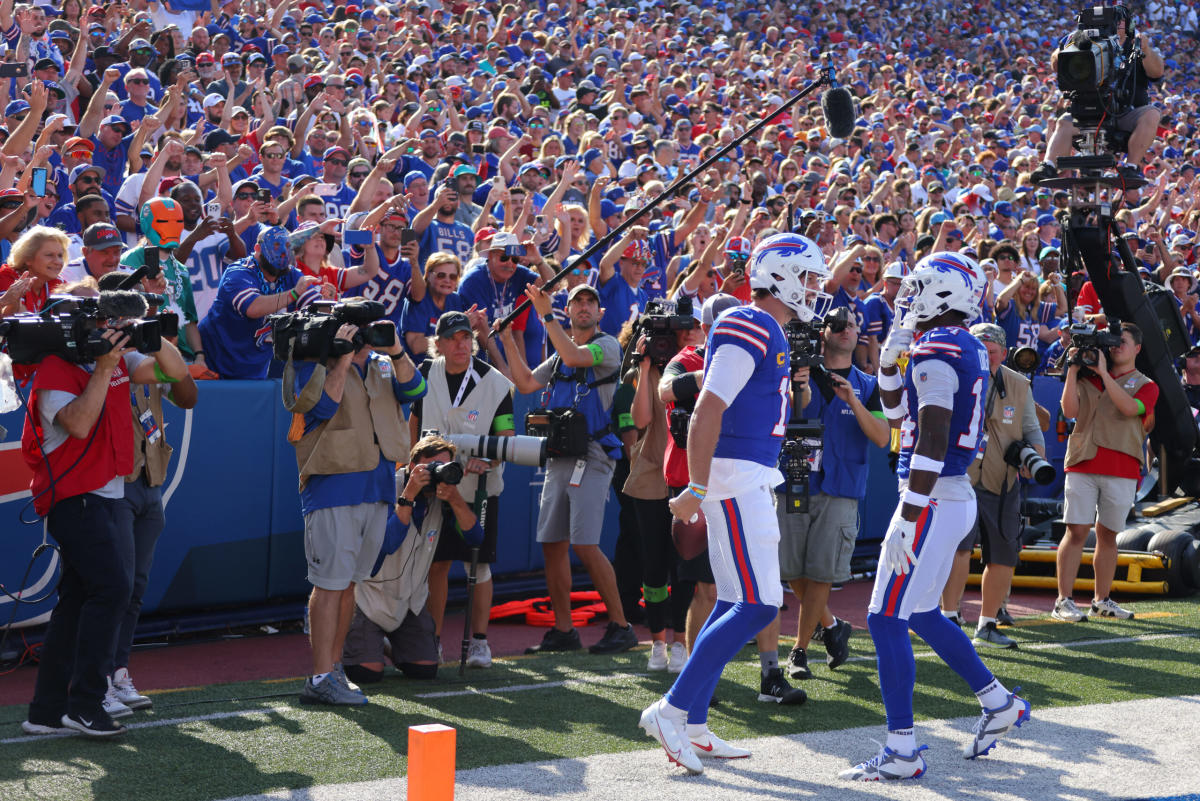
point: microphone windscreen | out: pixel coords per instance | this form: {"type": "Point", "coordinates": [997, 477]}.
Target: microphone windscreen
{"type": "Point", "coordinates": [837, 106]}
{"type": "Point", "coordinates": [121, 304]}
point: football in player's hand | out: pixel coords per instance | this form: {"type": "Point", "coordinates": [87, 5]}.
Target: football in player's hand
{"type": "Point", "coordinates": [691, 538]}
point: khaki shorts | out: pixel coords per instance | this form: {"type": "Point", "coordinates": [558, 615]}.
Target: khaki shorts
{"type": "Point", "coordinates": [818, 545]}
{"type": "Point", "coordinates": [1087, 493]}
{"type": "Point", "coordinates": [341, 543]}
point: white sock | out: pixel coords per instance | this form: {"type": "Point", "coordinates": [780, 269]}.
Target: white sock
{"type": "Point", "coordinates": [983, 621]}
{"type": "Point", "coordinates": [319, 677]}
{"type": "Point", "coordinates": [671, 711]}
{"type": "Point", "coordinates": [697, 729]}
{"type": "Point", "coordinates": [902, 741]}
{"type": "Point", "coordinates": [993, 696]}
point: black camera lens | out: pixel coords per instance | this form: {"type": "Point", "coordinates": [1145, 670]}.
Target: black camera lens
{"type": "Point", "coordinates": [446, 473]}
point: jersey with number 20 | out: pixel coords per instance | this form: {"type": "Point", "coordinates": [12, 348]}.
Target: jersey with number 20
{"type": "Point", "coordinates": [967, 356]}
{"type": "Point", "coordinates": [753, 426]}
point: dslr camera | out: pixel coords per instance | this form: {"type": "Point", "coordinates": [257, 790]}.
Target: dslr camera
{"type": "Point", "coordinates": [71, 327]}
{"type": "Point", "coordinates": [310, 334]}
{"type": "Point", "coordinates": [1088, 340]}
{"type": "Point", "coordinates": [564, 431]}
{"type": "Point", "coordinates": [444, 473]}
{"type": "Point", "coordinates": [1021, 454]}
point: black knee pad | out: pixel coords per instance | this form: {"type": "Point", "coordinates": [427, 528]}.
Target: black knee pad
{"type": "Point", "coordinates": [414, 671]}
{"type": "Point", "coordinates": [361, 675]}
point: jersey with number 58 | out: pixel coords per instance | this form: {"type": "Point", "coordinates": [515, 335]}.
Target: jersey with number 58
{"type": "Point", "coordinates": [965, 382]}
{"type": "Point", "coordinates": [753, 425]}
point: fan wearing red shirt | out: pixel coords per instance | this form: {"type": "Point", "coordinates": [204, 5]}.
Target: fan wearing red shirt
{"type": "Point", "coordinates": [1113, 409]}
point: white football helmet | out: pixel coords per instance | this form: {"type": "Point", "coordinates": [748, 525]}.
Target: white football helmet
{"type": "Point", "coordinates": [792, 268]}
{"type": "Point", "coordinates": [941, 282]}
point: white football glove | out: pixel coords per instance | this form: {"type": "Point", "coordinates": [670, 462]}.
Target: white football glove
{"type": "Point", "coordinates": [898, 340]}
{"type": "Point", "coordinates": [897, 554]}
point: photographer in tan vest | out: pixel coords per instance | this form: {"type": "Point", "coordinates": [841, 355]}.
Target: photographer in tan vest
{"type": "Point", "coordinates": [1009, 416]}
{"type": "Point", "coordinates": [350, 431]}
{"type": "Point", "coordinates": [1113, 407]}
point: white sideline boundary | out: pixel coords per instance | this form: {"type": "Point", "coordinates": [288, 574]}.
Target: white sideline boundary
{"type": "Point", "coordinates": [1100, 752]}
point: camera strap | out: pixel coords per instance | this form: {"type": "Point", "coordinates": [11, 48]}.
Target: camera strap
{"type": "Point", "coordinates": [310, 395]}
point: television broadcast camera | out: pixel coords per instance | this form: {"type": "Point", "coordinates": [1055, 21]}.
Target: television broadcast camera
{"type": "Point", "coordinates": [1095, 71]}
{"type": "Point", "coordinates": [310, 334]}
{"type": "Point", "coordinates": [71, 327]}
{"type": "Point", "coordinates": [1088, 340]}
{"type": "Point", "coordinates": [658, 324]}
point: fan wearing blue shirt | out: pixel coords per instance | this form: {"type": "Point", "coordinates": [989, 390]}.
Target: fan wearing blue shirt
{"type": "Point", "coordinates": [498, 286]}
{"type": "Point", "coordinates": [621, 270]}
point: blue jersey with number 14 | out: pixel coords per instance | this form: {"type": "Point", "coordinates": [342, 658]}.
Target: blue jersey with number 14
{"type": "Point", "coordinates": [967, 356]}
{"type": "Point", "coordinates": [753, 426]}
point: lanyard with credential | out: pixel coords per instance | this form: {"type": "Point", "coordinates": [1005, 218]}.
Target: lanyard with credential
{"type": "Point", "coordinates": [462, 388]}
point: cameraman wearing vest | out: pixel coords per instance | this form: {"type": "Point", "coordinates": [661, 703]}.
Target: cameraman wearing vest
{"type": "Point", "coordinates": [1010, 415]}
{"type": "Point", "coordinates": [350, 432]}
{"type": "Point", "coordinates": [465, 395]}
{"type": "Point", "coordinates": [581, 376]}
{"type": "Point", "coordinates": [1113, 409]}
{"type": "Point", "coordinates": [78, 440]}
{"type": "Point", "coordinates": [392, 604]}
{"type": "Point", "coordinates": [815, 547]}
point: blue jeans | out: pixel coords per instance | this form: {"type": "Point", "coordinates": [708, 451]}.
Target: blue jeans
{"type": "Point", "coordinates": [97, 579]}
{"type": "Point", "coordinates": [140, 516]}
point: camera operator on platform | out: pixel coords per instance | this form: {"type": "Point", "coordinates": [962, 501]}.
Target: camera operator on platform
{"type": "Point", "coordinates": [1010, 416]}
{"type": "Point", "coordinates": [466, 396]}
{"type": "Point", "coordinates": [350, 432]}
{"type": "Point", "coordinates": [1113, 409]}
{"type": "Point", "coordinates": [78, 440]}
{"type": "Point", "coordinates": [1140, 119]}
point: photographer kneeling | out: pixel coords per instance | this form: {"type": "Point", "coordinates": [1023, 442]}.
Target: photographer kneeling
{"type": "Point", "coordinates": [1113, 409]}
{"type": "Point", "coordinates": [1010, 417]}
{"type": "Point", "coordinates": [349, 431]}
{"type": "Point", "coordinates": [392, 604]}
{"type": "Point", "coordinates": [78, 440]}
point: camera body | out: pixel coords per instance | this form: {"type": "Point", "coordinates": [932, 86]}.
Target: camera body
{"type": "Point", "coordinates": [1092, 67]}
{"type": "Point", "coordinates": [310, 334]}
{"type": "Point", "coordinates": [1021, 454]}
{"type": "Point", "coordinates": [1088, 340]}
{"type": "Point", "coordinates": [659, 323]}
{"type": "Point", "coordinates": [444, 473]}
{"type": "Point", "coordinates": [70, 327]}
{"type": "Point", "coordinates": [565, 431]}
{"type": "Point", "coordinates": [803, 440]}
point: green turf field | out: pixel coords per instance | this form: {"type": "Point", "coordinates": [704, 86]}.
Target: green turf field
{"type": "Point", "coordinates": [245, 738]}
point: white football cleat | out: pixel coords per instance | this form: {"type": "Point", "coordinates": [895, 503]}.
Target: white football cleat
{"type": "Point", "coordinates": [669, 731]}
{"type": "Point", "coordinates": [887, 765]}
{"type": "Point", "coordinates": [995, 723]}
{"type": "Point", "coordinates": [709, 746]}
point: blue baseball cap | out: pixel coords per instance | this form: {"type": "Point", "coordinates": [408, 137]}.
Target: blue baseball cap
{"type": "Point", "coordinates": [16, 107]}
{"type": "Point", "coordinates": [1046, 219]}
{"type": "Point", "coordinates": [1003, 208]}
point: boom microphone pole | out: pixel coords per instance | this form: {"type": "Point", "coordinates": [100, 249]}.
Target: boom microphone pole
{"type": "Point", "coordinates": [836, 105]}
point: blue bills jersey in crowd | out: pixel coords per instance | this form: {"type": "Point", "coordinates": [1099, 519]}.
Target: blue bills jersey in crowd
{"type": "Point", "coordinates": [390, 286]}
{"type": "Point", "coordinates": [967, 357]}
{"type": "Point", "coordinates": [753, 426]}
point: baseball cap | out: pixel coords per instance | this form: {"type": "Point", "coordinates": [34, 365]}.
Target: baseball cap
{"type": "Point", "coordinates": [334, 150]}
{"type": "Point", "coordinates": [715, 306]}
{"type": "Point", "coordinates": [1048, 251]}
{"type": "Point", "coordinates": [217, 138]}
{"type": "Point", "coordinates": [1045, 219]}
{"type": "Point", "coordinates": [451, 323]}
{"type": "Point", "coordinates": [84, 168]}
{"type": "Point", "coordinates": [577, 291]}
{"type": "Point", "coordinates": [101, 236]}
{"type": "Point", "coordinates": [273, 244]}
{"type": "Point", "coordinates": [76, 144]}
{"type": "Point", "coordinates": [989, 332]}
{"type": "Point", "coordinates": [508, 243]}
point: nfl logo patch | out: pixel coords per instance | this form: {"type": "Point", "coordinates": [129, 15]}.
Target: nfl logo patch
{"type": "Point", "coordinates": [472, 415]}
{"type": "Point", "coordinates": [1009, 411]}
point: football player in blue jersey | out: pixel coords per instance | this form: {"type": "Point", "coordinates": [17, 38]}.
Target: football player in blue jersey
{"type": "Point", "coordinates": [734, 439]}
{"type": "Point", "coordinates": [938, 407]}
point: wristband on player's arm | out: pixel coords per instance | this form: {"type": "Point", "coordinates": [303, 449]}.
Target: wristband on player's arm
{"type": "Point", "coordinates": [924, 463]}
{"type": "Point", "coordinates": [892, 412]}
{"type": "Point", "coordinates": [890, 383]}
{"type": "Point", "coordinates": [914, 499]}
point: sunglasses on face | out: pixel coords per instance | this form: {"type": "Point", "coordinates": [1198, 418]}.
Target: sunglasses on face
{"type": "Point", "coordinates": [244, 196]}
{"type": "Point", "coordinates": [338, 162]}
{"type": "Point", "coordinates": [508, 257]}
{"type": "Point", "coordinates": [577, 271]}
{"type": "Point", "coordinates": [856, 269]}
{"type": "Point", "coordinates": [871, 258]}
{"type": "Point", "coordinates": [137, 81]}
{"type": "Point", "coordinates": [451, 276]}
{"type": "Point", "coordinates": [272, 156]}
{"type": "Point", "coordinates": [87, 179]}
{"type": "Point", "coordinates": [358, 174]}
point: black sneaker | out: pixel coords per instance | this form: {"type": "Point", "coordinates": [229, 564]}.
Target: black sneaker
{"type": "Point", "coordinates": [40, 727]}
{"type": "Point", "coordinates": [798, 664]}
{"type": "Point", "coordinates": [818, 634]}
{"type": "Point", "coordinates": [837, 644]}
{"type": "Point", "coordinates": [96, 724]}
{"type": "Point", "coordinates": [1043, 172]}
{"type": "Point", "coordinates": [556, 640]}
{"type": "Point", "coordinates": [956, 618]}
{"type": "Point", "coordinates": [1003, 618]}
{"type": "Point", "coordinates": [615, 640]}
{"type": "Point", "coordinates": [775, 688]}
{"type": "Point", "coordinates": [1129, 172]}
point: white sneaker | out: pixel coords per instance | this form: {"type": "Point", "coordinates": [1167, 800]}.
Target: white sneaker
{"type": "Point", "coordinates": [127, 694]}
{"type": "Point", "coordinates": [679, 657]}
{"type": "Point", "coordinates": [994, 724]}
{"type": "Point", "coordinates": [1108, 608]}
{"type": "Point", "coordinates": [1066, 611]}
{"type": "Point", "coordinates": [479, 654]}
{"type": "Point", "coordinates": [669, 731]}
{"type": "Point", "coordinates": [887, 765]}
{"type": "Point", "coordinates": [710, 746]}
{"type": "Point", "coordinates": [658, 656]}
{"type": "Point", "coordinates": [113, 705]}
